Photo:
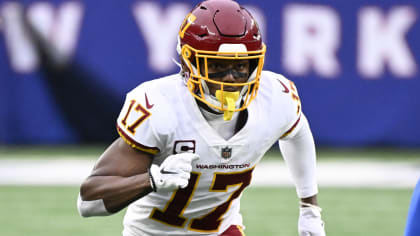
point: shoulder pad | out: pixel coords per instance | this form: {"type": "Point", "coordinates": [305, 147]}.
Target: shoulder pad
{"type": "Point", "coordinates": [143, 120]}
{"type": "Point", "coordinates": [286, 100]}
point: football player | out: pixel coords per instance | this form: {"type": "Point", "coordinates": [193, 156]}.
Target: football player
{"type": "Point", "coordinates": [412, 227]}
{"type": "Point", "coordinates": [189, 142]}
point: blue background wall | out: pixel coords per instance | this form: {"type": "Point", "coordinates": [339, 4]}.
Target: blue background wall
{"type": "Point", "coordinates": [73, 94]}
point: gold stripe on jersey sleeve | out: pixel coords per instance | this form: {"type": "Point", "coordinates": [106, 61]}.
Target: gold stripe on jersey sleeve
{"type": "Point", "coordinates": [291, 128]}
{"type": "Point", "coordinates": [136, 145]}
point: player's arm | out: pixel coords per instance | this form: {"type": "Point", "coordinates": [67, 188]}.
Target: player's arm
{"type": "Point", "coordinates": [298, 151]}
{"type": "Point", "coordinates": [119, 177]}
{"type": "Point", "coordinates": [299, 154]}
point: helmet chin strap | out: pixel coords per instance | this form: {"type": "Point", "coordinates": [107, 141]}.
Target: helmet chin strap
{"type": "Point", "coordinates": [228, 99]}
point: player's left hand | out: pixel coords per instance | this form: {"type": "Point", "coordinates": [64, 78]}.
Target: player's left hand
{"type": "Point", "coordinates": [310, 222]}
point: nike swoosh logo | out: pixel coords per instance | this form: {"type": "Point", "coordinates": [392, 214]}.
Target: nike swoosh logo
{"type": "Point", "coordinates": [286, 90]}
{"type": "Point", "coordinates": [148, 106]}
{"type": "Point", "coordinates": [167, 172]}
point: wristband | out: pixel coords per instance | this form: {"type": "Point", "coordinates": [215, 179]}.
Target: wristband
{"type": "Point", "coordinates": [305, 204]}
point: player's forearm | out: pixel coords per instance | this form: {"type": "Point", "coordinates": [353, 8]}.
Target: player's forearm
{"type": "Point", "coordinates": [115, 191]}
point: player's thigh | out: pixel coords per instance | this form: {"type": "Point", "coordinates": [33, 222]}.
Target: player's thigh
{"type": "Point", "coordinates": [233, 230]}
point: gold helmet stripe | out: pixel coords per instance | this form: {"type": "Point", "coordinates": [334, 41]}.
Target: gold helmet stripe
{"type": "Point", "coordinates": [190, 18]}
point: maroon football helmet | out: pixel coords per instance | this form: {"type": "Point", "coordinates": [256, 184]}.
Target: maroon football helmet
{"type": "Point", "coordinates": [220, 29]}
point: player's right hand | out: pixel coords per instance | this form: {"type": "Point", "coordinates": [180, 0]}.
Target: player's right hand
{"type": "Point", "coordinates": [173, 173]}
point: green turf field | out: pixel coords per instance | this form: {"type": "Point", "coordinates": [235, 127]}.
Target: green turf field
{"type": "Point", "coordinates": [51, 211]}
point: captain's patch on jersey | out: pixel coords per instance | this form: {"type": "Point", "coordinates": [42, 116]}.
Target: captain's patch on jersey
{"type": "Point", "coordinates": [181, 146]}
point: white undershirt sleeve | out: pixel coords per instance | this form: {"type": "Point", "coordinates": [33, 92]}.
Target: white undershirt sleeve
{"type": "Point", "coordinates": [299, 154]}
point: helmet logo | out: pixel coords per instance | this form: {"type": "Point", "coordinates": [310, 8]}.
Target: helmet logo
{"type": "Point", "coordinates": [187, 22]}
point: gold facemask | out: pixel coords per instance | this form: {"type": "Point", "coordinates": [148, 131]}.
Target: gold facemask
{"type": "Point", "coordinates": [227, 100]}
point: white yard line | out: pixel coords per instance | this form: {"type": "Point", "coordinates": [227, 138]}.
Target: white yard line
{"type": "Point", "coordinates": [340, 173]}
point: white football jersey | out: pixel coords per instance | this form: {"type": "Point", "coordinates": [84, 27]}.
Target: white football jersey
{"type": "Point", "coordinates": [161, 117]}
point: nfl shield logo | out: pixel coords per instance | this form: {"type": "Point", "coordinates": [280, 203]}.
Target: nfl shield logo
{"type": "Point", "coordinates": [226, 152]}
